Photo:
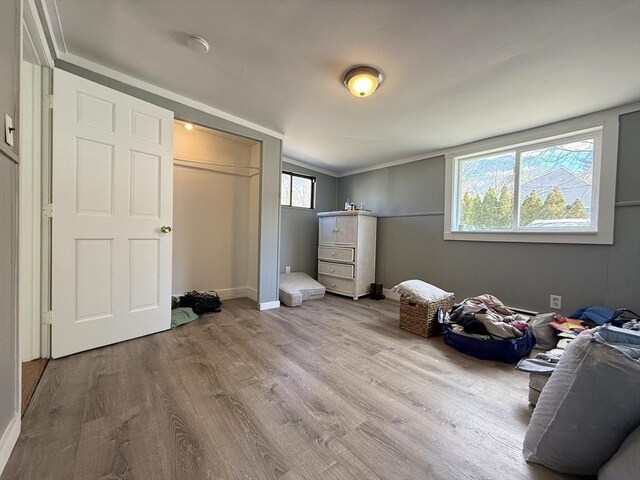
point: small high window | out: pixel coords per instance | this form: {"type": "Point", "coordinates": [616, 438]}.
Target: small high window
{"type": "Point", "coordinates": [297, 190]}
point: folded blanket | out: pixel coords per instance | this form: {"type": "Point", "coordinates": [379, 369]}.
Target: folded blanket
{"type": "Point", "coordinates": [421, 291]}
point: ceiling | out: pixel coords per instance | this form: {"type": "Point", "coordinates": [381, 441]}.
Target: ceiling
{"type": "Point", "coordinates": [456, 71]}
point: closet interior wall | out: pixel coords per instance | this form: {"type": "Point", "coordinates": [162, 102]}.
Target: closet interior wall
{"type": "Point", "coordinates": [216, 195]}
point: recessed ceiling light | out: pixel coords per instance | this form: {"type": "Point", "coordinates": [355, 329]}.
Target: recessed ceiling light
{"type": "Point", "coordinates": [362, 81]}
{"type": "Point", "coordinates": [188, 126]}
{"type": "Point", "coordinates": [198, 44]}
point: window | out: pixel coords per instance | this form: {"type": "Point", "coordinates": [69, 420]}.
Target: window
{"type": "Point", "coordinates": [297, 190]}
{"type": "Point", "coordinates": [546, 189]}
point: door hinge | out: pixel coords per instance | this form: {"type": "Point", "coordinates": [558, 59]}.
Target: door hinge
{"type": "Point", "coordinates": [47, 210]}
{"type": "Point", "coordinates": [47, 99]}
{"type": "Point", "coordinates": [47, 318]}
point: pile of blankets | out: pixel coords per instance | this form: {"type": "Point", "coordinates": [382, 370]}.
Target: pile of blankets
{"type": "Point", "coordinates": [486, 317]}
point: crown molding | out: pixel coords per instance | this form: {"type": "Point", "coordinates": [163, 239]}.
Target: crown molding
{"type": "Point", "coordinates": [148, 87]}
{"type": "Point", "coordinates": [56, 37]}
{"type": "Point", "coordinates": [53, 29]}
{"type": "Point", "coordinates": [393, 163]}
{"type": "Point", "coordinates": [308, 166]}
{"type": "Point", "coordinates": [610, 112]}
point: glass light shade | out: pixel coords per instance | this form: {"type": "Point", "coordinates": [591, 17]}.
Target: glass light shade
{"type": "Point", "coordinates": [362, 81]}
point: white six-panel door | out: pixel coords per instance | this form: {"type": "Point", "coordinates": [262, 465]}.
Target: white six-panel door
{"type": "Point", "coordinates": [112, 193]}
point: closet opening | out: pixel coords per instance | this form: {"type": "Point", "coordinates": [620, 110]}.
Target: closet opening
{"type": "Point", "coordinates": [216, 200]}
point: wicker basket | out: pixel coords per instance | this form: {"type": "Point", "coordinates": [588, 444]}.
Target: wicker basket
{"type": "Point", "coordinates": [420, 317]}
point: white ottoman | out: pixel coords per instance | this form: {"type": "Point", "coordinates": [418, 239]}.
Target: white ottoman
{"type": "Point", "coordinates": [298, 287]}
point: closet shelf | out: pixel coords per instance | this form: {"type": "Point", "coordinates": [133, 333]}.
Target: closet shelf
{"type": "Point", "coordinates": [190, 159]}
{"type": "Point", "coordinates": [246, 171]}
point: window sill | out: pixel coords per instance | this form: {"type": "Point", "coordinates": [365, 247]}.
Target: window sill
{"type": "Point", "coordinates": [298, 208]}
{"type": "Point", "coordinates": [588, 238]}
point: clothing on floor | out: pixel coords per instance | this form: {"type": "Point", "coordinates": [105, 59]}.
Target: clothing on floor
{"type": "Point", "coordinates": [568, 325]}
{"type": "Point", "coordinates": [460, 330]}
{"type": "Point", "coordinates": [485, 302]}
{"type": "Point", "coordinates": [182, 316]}
{"type": "Point", "coordinates": [597, 313]}
{"type": "Point", "coordinates": [471, 325]}
{"type": "Point", "coordinates": [201, 302]}
{"type": "Point", "coordinates": [545, 334]}
{"type": "Point", "coordinates": [487, 315]}
{"type": "Point", "coordinates": [498, 328]}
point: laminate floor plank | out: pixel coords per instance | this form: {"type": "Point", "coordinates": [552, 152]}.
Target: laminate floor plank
{"type": "Point", "coordinates": [332, 389]}
{"type": "Point", "coordinates": [31, 373]}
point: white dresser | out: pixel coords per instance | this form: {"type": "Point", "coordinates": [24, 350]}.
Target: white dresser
{"type": "Point", "coordinates": [347, 252]}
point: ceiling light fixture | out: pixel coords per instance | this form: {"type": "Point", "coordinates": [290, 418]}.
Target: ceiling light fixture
{"type": "Point", "coordinates": [198, 44]}
{"type": "Point", "coordinates": [362, 81]}
{"type": "Point", "coordinates": [188, 126]}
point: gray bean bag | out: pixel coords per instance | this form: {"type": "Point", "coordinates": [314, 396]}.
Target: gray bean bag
{"type": "Point", "coordinates": [625, 464]}
{"type": "Point", "coordinates": [298, 287]}
{"type": "Point", "coordinates": [589, 405]}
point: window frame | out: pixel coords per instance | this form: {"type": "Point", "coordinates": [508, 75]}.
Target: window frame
{"type": "Point", "coordinates": [605, 134]}
{"type": "Point", "coordinates": [299, 175]}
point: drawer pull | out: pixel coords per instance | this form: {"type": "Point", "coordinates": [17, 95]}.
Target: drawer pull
{"type": "Point", "coordinates": [333, 285]}
{"type": "Point", "coordinates": [333, 270]}
{"type": "Point", "coordinates": [333, 254]}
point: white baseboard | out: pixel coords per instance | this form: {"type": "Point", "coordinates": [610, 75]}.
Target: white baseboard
{"type": "Point", "coordinates": [231, 293]}
{"type": "Point", "coordinates": [251, 293]}
{"type": "Point", "coordinates": [391, 295]}
{"type": "Point", "coordinates": [8, 440]}
{"type": "Point", "coordinates": [268, 305]}
{"type": "Point", "coordinates": [523, 311]}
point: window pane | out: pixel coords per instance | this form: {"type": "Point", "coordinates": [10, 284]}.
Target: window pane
{"type": "Point", "coordinates": [301, 192]}
{"type": "Point", "coordinates": [285, 187]}
{"type": "Point", "coordinates": [556, 185]}
{"type": "Point", "coordinates": [485, 192]}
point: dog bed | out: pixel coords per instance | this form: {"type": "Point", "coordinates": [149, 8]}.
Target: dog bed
{"type": "Point", "coordinates": [298, 287]}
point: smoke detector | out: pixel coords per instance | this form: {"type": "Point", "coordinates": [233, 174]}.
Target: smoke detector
{"type": "Point", "coordinates": [198, 44]}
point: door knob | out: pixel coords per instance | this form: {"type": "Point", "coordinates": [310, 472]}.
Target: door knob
{"type": "Point", "coordinates": [165, 229]}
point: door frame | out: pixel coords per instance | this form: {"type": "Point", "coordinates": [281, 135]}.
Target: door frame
{"type": "Point", "coordinates": [35, 50]}
{"type": "Point", "coordinates": [29, 207]}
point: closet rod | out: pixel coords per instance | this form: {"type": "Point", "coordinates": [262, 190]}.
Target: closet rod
{"type": "Point", "coordinates": [183, 159]}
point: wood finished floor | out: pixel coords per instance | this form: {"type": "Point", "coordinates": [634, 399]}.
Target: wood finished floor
{"type": "Point", "coordinates": [329, 390]}
{"type": "Point", "coordinates": [31, 374]}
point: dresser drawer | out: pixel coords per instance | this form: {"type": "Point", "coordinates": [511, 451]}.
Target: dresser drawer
{"type": "Point", "coordinates": [335, 269]}
{"type": "Point", "coordinates": [336, 254]}
{"type": "Point", "coordinates": [337, 284]}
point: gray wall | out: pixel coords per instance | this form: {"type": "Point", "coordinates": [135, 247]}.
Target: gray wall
{"type": "Point", "coordinates": [9, 70]}
{"type": "Point", "coordinates": [299, 226]}
{"type": "Point", "coordinates": [269, 178]}
{"type": "Point", "coordinates": [521, 274]}
{"type": "Point", "coordinates": [9, 101]}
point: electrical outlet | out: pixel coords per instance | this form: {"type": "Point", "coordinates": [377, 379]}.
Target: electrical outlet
{"type": "Point", "coordinates": [287, 269]}
{"type": "Point", "coordinates": [555, 302]}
